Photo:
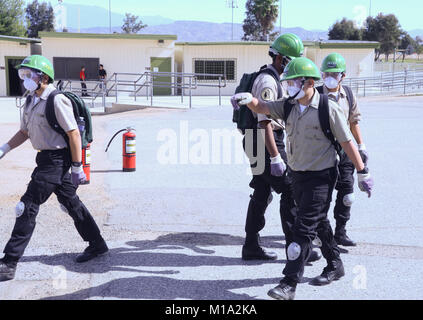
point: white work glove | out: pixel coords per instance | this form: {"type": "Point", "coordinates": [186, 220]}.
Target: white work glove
{"type": "Point", "coordinates": [277, 166]}
{"type": "Point", "coordinates": [4, 149]}
{"type": "Point", "coordinates": [78, 175]}
{"type": "Point", "coordinates": [241, 99]}
{"type": "Point", "coordinates": [363, 153]}
{"type": "Point", "coordinates": [365, 181]}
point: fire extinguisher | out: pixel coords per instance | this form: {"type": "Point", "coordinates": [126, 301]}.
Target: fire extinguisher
{"type": "Point", "coordinates": [128, 149]}
{"type": "Point", "coordinates": [86, 162]}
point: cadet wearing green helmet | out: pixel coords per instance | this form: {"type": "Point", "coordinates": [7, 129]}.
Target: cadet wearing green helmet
{"type": "Point", "coordinates": [334, 70]}
{"type": "Point", "coordinates": [54, 159]}
{"type": "Point", "coordinates": [267, 87]}
{"type": "Point", "coordinates": [312, 160]}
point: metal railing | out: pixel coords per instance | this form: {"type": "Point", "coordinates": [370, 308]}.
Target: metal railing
{"type": "Point", "coordinates": [387, 83]}
{"type": "Point", "coordinates": [133, 83]}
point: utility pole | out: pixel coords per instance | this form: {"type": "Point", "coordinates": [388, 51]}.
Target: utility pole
{"type": "Point", "coordinates": [110, 16]}
{"type": "Point", "coordinates": [232, 4]}
{"type": "Point", "coordinates": [280, 18]}
{"type": "Point", "coordinates": [370, 9]}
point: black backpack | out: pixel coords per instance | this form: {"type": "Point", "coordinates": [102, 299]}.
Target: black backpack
{"type": "Point", "coordinates": [323, 119]}
{"type": "Point", "coordinates": [244, 117]}
{"type": "Point", "coordinates": [80, 110]}
{"type": "Point", "coordinates": [350, 97]}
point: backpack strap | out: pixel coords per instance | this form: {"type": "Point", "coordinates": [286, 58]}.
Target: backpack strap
{"type": "Point", "coordinates": [287, 108]}
{"type": "Point", "coordinates": [320, 89]}
{"type": "Point", "coordinates": [28, 100]}
{"type": "Point", "coordinates": [324, 122]}
{"type": "Point", "coordinates": [51, 115]}
{"type": "Point", "coordinates": [350, 98]}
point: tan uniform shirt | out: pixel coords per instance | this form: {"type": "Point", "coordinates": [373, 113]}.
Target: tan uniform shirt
{"type": "Point", "coordinates": [265, 89]}
{"type": "Point", "coordinates": [34, 121]}
{"type": "Point", "coordinates": [355, 114]}
{"type": "Point", "coordinates": [308, 148]}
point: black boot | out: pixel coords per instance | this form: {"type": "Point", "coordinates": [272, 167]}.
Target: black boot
{"type": "Point", "coordinates": [95, 249]}
{"type": "Point", "coordinates": [252, 250]}
{"type": "Point", "coordinates": [333, 271]}
{"type": "Point", "coordinates": [341, 237]}
{"type": "Point", "coordinates": [284, 291]}
{"type": "Point", "coordinates": [7, 270]}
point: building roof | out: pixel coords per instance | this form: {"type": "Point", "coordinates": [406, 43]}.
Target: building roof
{"type": "Point", "coordinates": [107, 36]}
{"type": "Point", "coordinates": [319, 44]}
{"type": "Point", "coordinates": [19, 39]}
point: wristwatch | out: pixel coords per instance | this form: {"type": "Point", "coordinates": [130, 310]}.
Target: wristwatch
{"type": "Point", "coordinates": [76, 164]}
{"type": "Point", "coordinates": [364, 171]}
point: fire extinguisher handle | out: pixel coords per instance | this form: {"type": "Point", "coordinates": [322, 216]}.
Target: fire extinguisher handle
{"type": "Point", "coordinates": [108, 145]}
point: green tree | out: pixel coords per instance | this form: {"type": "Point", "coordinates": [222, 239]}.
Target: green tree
{"type": "Point", "coordinates": [131, 24]}
{"type": "Point", "coordinates": [260, 18]}
{"type": "Point", "coordinates": [344, 30]}
{"type": "Point", "coordinates": [407, 45]}
{"type": "Point", "coordinates": [386, 30]}
{"type": "Point", "coordinates": [40, 17]}
{"type": "Point", "coordinates": [12, 18]}
{"type": "Point", "coordinates": [419, 46]}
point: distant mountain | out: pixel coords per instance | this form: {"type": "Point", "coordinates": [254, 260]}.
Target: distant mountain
{"type": "Point", "coordinates": [205, 31]}
{"type": "Point", "coordinates": [208, 31]}
{"type": "Point", "coordinates": [91, 17]}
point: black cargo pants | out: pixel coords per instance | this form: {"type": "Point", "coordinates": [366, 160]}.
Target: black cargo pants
{"type": "Point", "coordinates": [344, 186]}
{"type": "Point", "coordinates": [263, 183]}
{"type": "Point", "coordinates": [50, 176]}
{"type": "Point", "coordinates": [313, 194]}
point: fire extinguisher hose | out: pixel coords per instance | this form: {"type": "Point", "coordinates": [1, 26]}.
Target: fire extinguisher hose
{"type": "Point", "coordinates": [114, 137]}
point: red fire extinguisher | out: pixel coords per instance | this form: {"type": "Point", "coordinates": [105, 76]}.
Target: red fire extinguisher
{"type": "Point", "coordinates": [86, 162]}
{"type": "Point", "coordinates": [128, 149]}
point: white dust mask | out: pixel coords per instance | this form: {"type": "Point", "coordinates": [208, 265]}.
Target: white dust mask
{"type": "Point", "coordinates": [293, 90]}
{"type": "Point", "coordinates": [331, 83]}
{"type": "Point", "coordinates": [30, 84]}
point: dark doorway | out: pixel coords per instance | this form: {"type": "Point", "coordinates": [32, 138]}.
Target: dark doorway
{"type": "Point", "coordinates": [14, 83]}
{"type": "Point", "coordinates": [69, 68]}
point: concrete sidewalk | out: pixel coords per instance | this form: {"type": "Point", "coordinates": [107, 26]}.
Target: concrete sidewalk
{"type": "Point", "coordinates": [175, 230]}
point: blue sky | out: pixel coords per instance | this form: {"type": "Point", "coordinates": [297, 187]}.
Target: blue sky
{"type": "Point", "coordinates": [309, 14]}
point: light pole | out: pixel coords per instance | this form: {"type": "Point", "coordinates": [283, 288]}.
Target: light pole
{"type": "Point", "coordinates": [232, 4]}
{"type": "Point", "coordinates": [370, 9]}
{"type": "Point", "coordinates": [110, 17]}
{"type": "Point", "coordinates": [280, 18]}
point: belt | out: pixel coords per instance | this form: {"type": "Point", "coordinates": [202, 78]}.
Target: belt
{"type": "Point", "coordinates": [55, 150]}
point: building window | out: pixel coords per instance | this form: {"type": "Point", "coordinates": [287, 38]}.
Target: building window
{"type": "Point", "coordinates": [215, 66]}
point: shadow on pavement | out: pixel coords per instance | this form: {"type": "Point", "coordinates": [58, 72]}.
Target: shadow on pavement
{"type": "Point", "coordinates": [138, 255]}
{"type": "Point", "coordinates": [153, 288]}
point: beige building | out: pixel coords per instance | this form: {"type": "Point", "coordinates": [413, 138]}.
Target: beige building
{"type": "Point", "coordinates": [119, 53]}
{"type": "Point", "coordinates": [134, 54]}
{"type": "Point", "coordinates": [233, 59]}
{"type": "Point", "coordinates": [12, 51]}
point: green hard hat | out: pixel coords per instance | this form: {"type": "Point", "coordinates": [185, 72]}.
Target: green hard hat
{"type": "Point", "coordinates": [334, 63]}
{"type": "Point", "coordinates": [39, 63]}
{"type": "Point", "coordinates": [301, 67]}
{"type": "Point", "coordinates": [289, 45]}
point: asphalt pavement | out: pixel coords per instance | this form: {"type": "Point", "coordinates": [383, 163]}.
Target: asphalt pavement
{"type": "Point", "coordinates": [175, 226]}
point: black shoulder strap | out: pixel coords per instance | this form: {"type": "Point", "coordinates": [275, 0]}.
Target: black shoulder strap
{"type": "Point", "coordinates": [276, 77]}
{"type": "Point", "coordinates": [287, 108]}
{"type": "Point", "coordinates": [320, 89]}
{"type": "Point", "coordinates": [51, 115]}
{"type": "Point", "coordinates": [324, 121]}
{"type": "Point", "coordinates": [28, 100]}
{"type": "Point", "coordinates": [350, 98]}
